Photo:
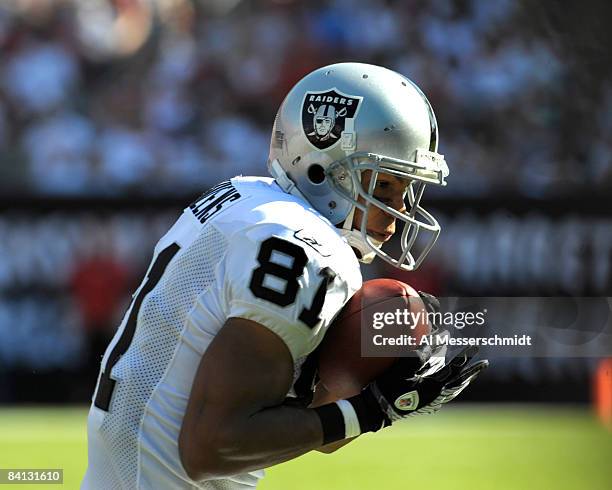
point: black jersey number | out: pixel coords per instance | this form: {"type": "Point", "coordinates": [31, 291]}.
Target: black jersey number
{"type": "Point", "coordinates": [106, 384]}
{"type": "Point", "coordinates": [289, 274]}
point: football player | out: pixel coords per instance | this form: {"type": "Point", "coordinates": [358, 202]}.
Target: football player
{"type": "Point", "coordinates": [193, 387]}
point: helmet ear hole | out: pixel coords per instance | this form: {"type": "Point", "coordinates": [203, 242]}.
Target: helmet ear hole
{"type": "Point", "coordinates": [316, 174]}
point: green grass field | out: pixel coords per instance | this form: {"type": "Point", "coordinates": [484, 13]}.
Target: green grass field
{"type": "Point", "coordinates": [471, 447]}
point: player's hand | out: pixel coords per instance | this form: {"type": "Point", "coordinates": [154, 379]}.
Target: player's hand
{"type": "Point", "coordinates": [398, 393]}
{"type": "Point", "coordinates": [415, 385]}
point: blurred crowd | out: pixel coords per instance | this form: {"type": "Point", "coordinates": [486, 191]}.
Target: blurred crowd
{"type": "Point", "coordinates": [159, 97]}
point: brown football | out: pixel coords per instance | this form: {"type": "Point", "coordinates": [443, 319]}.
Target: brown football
{"type": "Point", "coordinates": [342, 369]}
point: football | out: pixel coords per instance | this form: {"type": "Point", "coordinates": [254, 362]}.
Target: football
{"type": "Point", "coordinates": [343, 370]}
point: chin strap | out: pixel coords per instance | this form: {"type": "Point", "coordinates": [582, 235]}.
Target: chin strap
{"type": "Point", "coordinates": [364, 252]}
{"type": "Point", "coordinates": [275, 169]}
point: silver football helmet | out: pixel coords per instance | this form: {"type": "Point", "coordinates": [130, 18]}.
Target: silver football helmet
{"type": "Point", "coordinates": [343, 119]}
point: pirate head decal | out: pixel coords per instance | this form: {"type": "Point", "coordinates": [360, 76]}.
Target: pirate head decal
{"type": "Point", "coordinates": [325, 115]}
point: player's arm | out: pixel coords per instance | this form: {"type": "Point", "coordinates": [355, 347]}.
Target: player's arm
{"type": "Point", "coordinates": [234, 420]}
{"type": "Point", "coordinates": [291, 295]}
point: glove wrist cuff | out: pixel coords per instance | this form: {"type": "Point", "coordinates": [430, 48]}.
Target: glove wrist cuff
{"type": "Point", "coordinates": [371, 417]}
{"type": "Point", "coordinates": [352, 427]}
{"type": "Point", "coordinates": [351, 417]}
{"type": "Point", "coordinates": [339, 420]}
{"type": "Point", "coordinates": [332, 422]}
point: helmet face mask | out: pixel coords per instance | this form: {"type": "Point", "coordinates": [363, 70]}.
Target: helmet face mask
{"type": "Point", "coordinates": [417, 222]}
{"type": "Point", "coordinates": [349, 118]}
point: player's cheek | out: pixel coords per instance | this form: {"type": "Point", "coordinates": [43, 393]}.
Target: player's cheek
{"type": "Point", "coordinates": [378, 219]}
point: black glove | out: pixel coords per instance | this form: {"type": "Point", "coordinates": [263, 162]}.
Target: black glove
{"type": "Point", "coordinates": [398, 394]}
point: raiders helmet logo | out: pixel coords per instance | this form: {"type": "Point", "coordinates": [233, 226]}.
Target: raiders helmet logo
{"type": "Point", "coordinates": [325, 116]}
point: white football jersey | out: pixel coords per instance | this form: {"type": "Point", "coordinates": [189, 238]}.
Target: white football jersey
{"type": "Point", "coordinates": [244, 249]}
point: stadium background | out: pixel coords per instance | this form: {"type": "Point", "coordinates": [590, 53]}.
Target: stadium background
{"type": "Point", "coordinates": [115, 114]}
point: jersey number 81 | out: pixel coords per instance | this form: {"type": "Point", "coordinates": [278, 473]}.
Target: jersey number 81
{"type": "Point", "coordinates": [310, 315]}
